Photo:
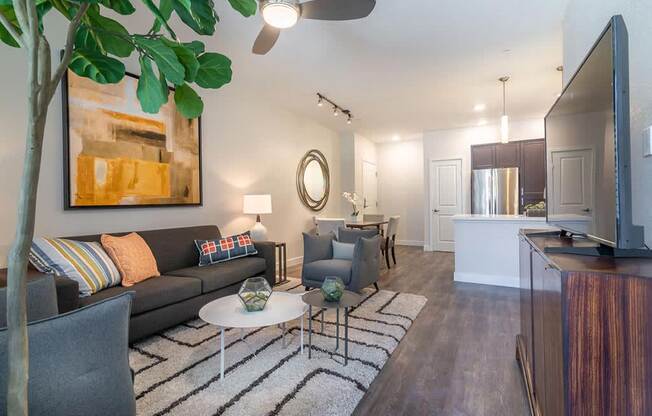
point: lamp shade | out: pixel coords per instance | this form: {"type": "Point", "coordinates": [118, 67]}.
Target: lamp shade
{"type": "Point", "coordinates": [257, 204]}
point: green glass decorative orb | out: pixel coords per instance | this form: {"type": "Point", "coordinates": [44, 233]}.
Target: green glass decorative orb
{"type": "Point", "coordinates": [254, 294]}
{"type": "Point", "coordinates": [332, 289]}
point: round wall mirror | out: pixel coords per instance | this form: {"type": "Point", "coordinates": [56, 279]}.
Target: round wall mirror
{"type": "Point", "coordinates": [313, 180]}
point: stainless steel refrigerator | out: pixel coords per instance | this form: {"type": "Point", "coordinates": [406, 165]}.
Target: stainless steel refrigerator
{"type": "Point", "coordinates": [494, 191]}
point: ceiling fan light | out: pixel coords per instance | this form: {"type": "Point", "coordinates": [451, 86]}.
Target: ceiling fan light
{"type": "Point", "coordinates": [281, 14]}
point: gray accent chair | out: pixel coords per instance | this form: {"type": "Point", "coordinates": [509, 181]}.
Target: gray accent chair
{"type": "Point", "coordinates": [78, 362]}
{"type": "Point", "coordinates": [41, 298]}
{"type": "Point", "coordinates": [318, 262]}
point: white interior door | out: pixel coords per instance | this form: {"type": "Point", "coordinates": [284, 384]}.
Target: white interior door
{"type": "Point", "coordinates": [369, 187]}
{"type": "Point", "coordinates": [445, 201]}
{"type": "Point", "coordinates": [572, 182]}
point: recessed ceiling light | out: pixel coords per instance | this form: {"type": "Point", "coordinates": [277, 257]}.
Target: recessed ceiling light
{"type": "Point", "coordinates": [482, 122]}
{"type": "Point", "coordinates": [396, 138]}
{"type": "Point", "coordinates": [479, 107]}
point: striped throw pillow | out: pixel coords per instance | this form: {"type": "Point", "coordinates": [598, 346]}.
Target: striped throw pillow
{"type": "Point", "coordinates": [86, 263]}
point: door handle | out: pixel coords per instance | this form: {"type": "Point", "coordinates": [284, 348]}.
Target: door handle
{"type": "Point", "coordinates": [435, 210]}
{"type": "Point", "coordinates": [587, 210]}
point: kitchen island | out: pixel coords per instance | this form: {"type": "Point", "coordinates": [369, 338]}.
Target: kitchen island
{"type": "Point", "coordinates": [486, 247]}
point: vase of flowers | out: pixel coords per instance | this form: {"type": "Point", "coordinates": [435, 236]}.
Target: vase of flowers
{"type": "Point", "coordinates": [353, 199]}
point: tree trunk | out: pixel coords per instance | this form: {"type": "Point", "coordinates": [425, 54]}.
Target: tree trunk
{"type": "Point", "coordinates": [18, 255]}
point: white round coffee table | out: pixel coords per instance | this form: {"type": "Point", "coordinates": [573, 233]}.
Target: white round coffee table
{"type": "Point", "coordinates": [229, 312]}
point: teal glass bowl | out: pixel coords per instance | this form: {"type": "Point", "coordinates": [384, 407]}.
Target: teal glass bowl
{"type": "Point", "coordinates": [332, 289]}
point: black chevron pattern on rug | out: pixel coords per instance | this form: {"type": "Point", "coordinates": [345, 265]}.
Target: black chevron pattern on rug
{"type": "Point", "coordinates": [177, 371]}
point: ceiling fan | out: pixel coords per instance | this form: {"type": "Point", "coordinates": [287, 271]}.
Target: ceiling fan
{"type": "Point", "coordinates": [283, 14]}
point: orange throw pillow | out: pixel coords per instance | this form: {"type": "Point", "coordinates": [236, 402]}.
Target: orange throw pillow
{"type": "Point", "coordinates": [132, 256]}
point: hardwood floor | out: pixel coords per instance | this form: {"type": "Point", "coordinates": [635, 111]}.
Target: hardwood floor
{"type": "Point", "coordinates": [458, 357]}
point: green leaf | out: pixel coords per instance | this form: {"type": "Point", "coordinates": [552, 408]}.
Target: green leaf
{"type": "Point", "coordinates": [99, 68]}
{"type": "Point", "coordinates": [166, 7]}
{"type": "Point", "coordinates": [162, 19]}
{"type": "Point", "coordinates": [187, 58]}
{"type": "Point", "coordinates": [84, 40]}
{"type": "Point", "coordinates": [245, 7]}
{"type": "Point", "coordinates": [196, 46]}
{"type": "Point", "coordinates": [189, 104]}
{"type": "Point", "coordinates": [165, 58]}
{"type": "Point", "coordinates": [151, 93]}
{"type": "Point", "coordinates": [109, 35]}
{"type": "Point", "coordinates": [200, 16]}
{"type": "Point", "coordinates": [214, 70]}
{"type": "Point", "coordinates": [5, 37]}
{"type": "Point", "coordinates": [123, 7]}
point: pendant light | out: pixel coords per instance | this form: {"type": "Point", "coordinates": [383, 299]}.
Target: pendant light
{"type": "Point", "coordinates": [504, 119]}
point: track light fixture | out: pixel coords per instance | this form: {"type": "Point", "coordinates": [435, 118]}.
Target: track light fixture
{"type": "Point", "coordinates": [321, 99]}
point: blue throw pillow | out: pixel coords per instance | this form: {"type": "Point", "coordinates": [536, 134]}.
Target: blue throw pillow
{"type": "Point", "coordinates": [225, 249]}
{"type": "Point", "coordinates": [343, 251]}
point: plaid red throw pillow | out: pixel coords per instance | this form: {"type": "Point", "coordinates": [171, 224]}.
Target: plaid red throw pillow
{"type": "Point", "coordinates": [225, 249]}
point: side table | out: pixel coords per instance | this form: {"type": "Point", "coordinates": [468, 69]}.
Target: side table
{"type": "Point", "coordinates": [281, 254]}
{"type": "Point", "coordinates": [314, 298]}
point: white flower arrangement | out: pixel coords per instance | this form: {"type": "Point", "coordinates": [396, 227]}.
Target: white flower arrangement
{"type": "Point", "coordinates": [353, 199]}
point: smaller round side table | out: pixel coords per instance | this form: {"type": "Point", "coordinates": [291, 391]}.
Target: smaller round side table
{"type": "Point", "coordinates": [349, 299]}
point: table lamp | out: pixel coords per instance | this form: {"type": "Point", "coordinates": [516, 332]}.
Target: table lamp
{"type": "Point", "coordinates": [258, 204]}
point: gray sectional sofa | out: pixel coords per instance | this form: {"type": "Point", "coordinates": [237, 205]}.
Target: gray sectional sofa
{"type": "Point", "coordinates": [183, 287]}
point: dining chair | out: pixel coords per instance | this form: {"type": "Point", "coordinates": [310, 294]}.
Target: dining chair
{"type": "Point", "coordinates": [328, 225]}
{"type": "Point", "coordinates": [375, 218]}
{"type": "Point", "coordinates": [389, 242]}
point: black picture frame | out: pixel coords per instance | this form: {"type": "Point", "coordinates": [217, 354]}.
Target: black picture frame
{"type": "Point", "coordinates": [67, 205]}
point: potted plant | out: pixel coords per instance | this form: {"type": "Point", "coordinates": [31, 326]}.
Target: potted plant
{"type": "Point", "coordinates": [353, 199]}
{"type": "Point", "coordinates": [95, 47]}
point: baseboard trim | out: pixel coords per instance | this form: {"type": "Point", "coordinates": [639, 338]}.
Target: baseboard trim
{"type": "Point", "coordinates": [413, 243]}
{"type": "Point", "coordinates": [488, 279]}
{"type": "Point", "coordinates": [427, 247]}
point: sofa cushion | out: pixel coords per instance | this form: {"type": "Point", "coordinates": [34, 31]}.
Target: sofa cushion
{"type": "Point", "coordinates": [320, 269]}
{"type": "Point", "coordinates": [84, 262]}
{"type": "Point", "coordinates": [225, 249]}
{"type": "Point", "coordinates": [173, 248]}
{"type": "Point", "coordinates": [132, 256]}
{"type": "Point", "coordinates": [152, 293]}
{"type": "Point", "coordinates": [220, 275]}
{"type": "Point", "coordinates": [343, 251]}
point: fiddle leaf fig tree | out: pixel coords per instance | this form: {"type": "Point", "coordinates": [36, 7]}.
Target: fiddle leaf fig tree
{"type": "Point", "coordinates": [95, 46]}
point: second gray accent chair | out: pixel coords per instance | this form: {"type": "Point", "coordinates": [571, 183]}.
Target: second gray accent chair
{"type": "Point", "coordinates": [389, 241]}
{"type": "Point", "coordinates": [318, 262]}
{"type": "Point", "coordinates": [78, 362]}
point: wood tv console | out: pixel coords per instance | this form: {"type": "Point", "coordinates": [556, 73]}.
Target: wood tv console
{"type": "Point", "coordinates": [585, 346]}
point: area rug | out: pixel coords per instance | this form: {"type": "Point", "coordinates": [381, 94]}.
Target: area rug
{"type": "Point", "coordinates": [177, 371]}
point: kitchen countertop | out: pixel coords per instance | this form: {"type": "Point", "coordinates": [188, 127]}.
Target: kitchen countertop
{"type": "Point", "coordinates": [504, 218]}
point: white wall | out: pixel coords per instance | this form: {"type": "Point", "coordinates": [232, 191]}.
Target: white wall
{"type": "Point", "coordinates": [400, 177]}
{"type": "Point", "coordinates": [249, 146]}
{"type": "Point", "coordinates": [583, 23]}
{"type": "Point", "coordinates": [456, 144]}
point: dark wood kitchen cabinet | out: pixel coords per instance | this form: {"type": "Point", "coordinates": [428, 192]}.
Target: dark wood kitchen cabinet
{"type": "Point", "coordinates": [585, 346]}
{"type": "Point", "coordinates": [483, 156]}
{"type": "Point", "coordinates": [527, 155]}
{"type": "Point", "coordinates": [508, 155]}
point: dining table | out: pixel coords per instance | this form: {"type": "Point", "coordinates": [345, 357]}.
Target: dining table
{"type": "Point", "coordinates": [367, 224]}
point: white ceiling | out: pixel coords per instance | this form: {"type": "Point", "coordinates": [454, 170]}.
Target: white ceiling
{"type": "Point", "coordinates": [413, 65]}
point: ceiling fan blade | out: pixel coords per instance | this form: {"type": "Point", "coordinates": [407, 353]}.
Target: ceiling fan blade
{"type": "Point", "coordinates": [266, 40]}
{"type": "Point", "coordinates": [337, 9]}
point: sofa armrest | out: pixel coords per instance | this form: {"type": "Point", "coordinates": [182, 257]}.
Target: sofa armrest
{"type": "Point", "coordinates": [267, 250]}
{"type": "Point", "coordinates": [365, 268]}
{"type": "Point", "coordinates": [67, 294]}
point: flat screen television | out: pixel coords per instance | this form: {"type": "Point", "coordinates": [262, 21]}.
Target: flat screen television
{"type": "Point", "coordinates": [588, 189]}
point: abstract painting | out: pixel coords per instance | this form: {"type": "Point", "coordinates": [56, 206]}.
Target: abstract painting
{"type": "Point", "coordinates": [116, 155]}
